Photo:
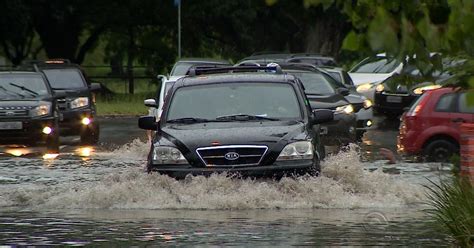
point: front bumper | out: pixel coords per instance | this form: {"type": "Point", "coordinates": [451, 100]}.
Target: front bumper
{"type": "Point", "coordinates": [279, 168]}
{"type": "Point", "coordinates": [70, 121]}
{"type": "Point", "coordinates": [365, 119]}
{"type": "Point", "coordinates": [30, 133]}
{"type": "Point", "coordinates": [340, 131]}
{"type": "Point", "coordinates": [392, 103]}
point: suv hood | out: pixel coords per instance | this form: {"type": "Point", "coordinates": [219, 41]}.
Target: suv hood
{"type": "Point", "coordinates": [269, 133]}
{"type": "Point", "coordinates": [23, 103]}
{"type": "Point", "coordinates": [326, 102]}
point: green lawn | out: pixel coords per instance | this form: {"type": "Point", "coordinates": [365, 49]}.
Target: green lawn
{"type": "Point", "coordinates": [122, 103]}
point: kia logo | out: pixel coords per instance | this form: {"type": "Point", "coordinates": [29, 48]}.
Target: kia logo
{"type": "Point", "coordinates": [231, 156]}
{"type": "Point", "coordinates": [9, 113]}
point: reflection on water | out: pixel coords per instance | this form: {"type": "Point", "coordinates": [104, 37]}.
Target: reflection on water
{"type": "Point", "coordinates": [108, 199]}
{"type": "Point", "coordinates": [216, 228]}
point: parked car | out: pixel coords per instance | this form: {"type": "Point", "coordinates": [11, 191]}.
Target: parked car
{"type": "Point", "coordinates": [371, 71]}
{"type": "Point", "coordinates": [431, 128]}
{"type": "Point", "coordinates": [77, 106]}
{"type": "Point", "coordinates": [28, 111]}
{"type": "Point", "coordinates": [362, 106]}
{"type": "Point", "coordinates": [252, 123]}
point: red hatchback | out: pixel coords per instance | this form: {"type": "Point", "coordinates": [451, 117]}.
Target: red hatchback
{"type": "Point", "coordinates": [431, 127]}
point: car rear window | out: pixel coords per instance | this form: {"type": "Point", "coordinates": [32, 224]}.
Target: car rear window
{"type": "Point", "coordinates": [445, 103]}
{"type": "Point", "coordinates": [316, 83]}
{"type": "Point", "coordinates": [65, 78]}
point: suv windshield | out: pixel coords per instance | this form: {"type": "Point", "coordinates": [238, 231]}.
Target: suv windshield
{"type": "Point", "coordinates": [269, 100]}
{"type": "Point", "coordinates": [14, 86]}
{"type": "Point", "coordinates": [64, 78]}
{"type": "Point", "coordinates": [316, 83]}
{"type": "Point", "coordinates": [376, 65]}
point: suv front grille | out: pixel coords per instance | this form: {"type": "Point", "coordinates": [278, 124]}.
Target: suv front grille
{"type": "Point", "coordinates": [62, 103]}
{"type": "Point", "coordinates": [235, 155]}
{"type": "Point", "coordinates": [15, 111]}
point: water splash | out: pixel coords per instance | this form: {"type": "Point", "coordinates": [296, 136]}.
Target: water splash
{"type": "Point", "coordinates": [344, 184]}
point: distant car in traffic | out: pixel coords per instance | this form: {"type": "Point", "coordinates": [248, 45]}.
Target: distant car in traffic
{"type": "Point", "coordinates": [78, 115]}
{"type": "Point", "coordinates": [317, 60]}
{"type": "Point", "coordinates": [431, 127]}
{"type": "Point", "coordinates": [247, 122]}
{"type": "Point", "coordinates": [180, 69]}
{"type": "Point", "coordinates": [363, 107]}
{"type": "Point", "coordinates": [29, 114]}
{"type": "Point", "coordinates": [371, 71]}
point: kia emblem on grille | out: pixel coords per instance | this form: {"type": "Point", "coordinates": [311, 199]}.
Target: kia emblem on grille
{"type": "Point", "coordinates": [231, 156]}
{"type": "Point", "coordinates": [10, 113]}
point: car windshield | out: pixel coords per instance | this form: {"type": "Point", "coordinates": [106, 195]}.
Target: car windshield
{"type": "Point", "coordinates": [264, 100]}
{"type": "Point", "coordinates": [64, 78]}
{"type": "Point", "coordinates": [15, 86]}
{"type": "Point", "coordinates": [376, 64]}
{"type": "Point", "coordinates": [317, 83]}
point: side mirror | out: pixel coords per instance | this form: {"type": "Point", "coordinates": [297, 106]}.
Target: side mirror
{"type": "Point", "coordinates": [95, 87]}
{"type": "Point", "coordinates": [343, 91]}
{"type": "Point", "coordinates": [150, 103]}
{"type": "Point", "coordinates": [322, 116]}
{"type": "Point", "coordinates": [148, 123]}
{"type": "Point", "coordinates": [161, 78]}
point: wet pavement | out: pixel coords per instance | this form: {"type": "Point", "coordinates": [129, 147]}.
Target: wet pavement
{"type": "Point", "coordinates": [101, 196]}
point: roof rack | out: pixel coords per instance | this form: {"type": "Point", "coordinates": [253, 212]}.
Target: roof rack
{"type": "Point", "coordinates": [230, 69]}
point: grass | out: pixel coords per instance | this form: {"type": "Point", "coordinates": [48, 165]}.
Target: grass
{"type": "Point", "coordinates": [453, 209]}
{"type": "Point", "coordinates": [122, 103]}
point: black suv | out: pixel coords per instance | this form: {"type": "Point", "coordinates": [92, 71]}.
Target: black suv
{"type": "Point", "coordinates": [77, 109]}
{"type": "Point", "coordinates": [252, 120]}
{"type": "Point", "coordinates": [28, 111]}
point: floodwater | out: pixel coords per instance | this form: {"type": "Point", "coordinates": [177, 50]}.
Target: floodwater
{"type": "Point", "coordinates": [101, 196]}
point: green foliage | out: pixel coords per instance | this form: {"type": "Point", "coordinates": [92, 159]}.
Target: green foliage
{"type": "Point", "coordinates": [452, 207]}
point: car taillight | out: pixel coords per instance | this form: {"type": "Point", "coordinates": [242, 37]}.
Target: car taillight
{"type": "Point", "coordinates": [416, 108]}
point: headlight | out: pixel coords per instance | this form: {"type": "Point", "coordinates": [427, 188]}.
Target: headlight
{"type": "Point", "coordinates": [167, 155]}
{"type": "Point", "coordinates": [420, 90]}
{"type": "Point", "coordinates": [297, 150]}
{"type": "Point", "coordinates": [43, 109]}
{"type": "Point", "coordinates": [365, 87]}
{"type": "Point", "coordinates": [79, 102]}
{"type": "Point", "coordinates": [367, 103]}
{"type": "Point", "coordinates": [379, 88]}
{"type": "Point", "coordinates": [347, 109]}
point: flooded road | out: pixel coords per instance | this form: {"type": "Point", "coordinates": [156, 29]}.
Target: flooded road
{"type": "Point", "coordinates": [101, 196]}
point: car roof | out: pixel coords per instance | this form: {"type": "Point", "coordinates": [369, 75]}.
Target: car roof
{"type": "Point", "coordinates": [203, 60]}
{"type": "Point", "coordinates": [247, 77]}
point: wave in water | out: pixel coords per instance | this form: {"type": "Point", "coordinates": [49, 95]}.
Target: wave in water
{"type": "Point", "coordinates": [344, 184]}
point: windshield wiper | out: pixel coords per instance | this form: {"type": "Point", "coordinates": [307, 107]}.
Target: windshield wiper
{"type": "Point", "coordinates": [244, 117]}
{"type": "Point", "coordinates": [10, 92]}
{"type": "Point", "coordinates": [188, 120]}
{"type": "Point", "coordinates": [25, 89]}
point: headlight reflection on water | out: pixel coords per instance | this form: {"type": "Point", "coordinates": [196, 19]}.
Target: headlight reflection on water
{"type": "Point", "coordinates": [18, 152]}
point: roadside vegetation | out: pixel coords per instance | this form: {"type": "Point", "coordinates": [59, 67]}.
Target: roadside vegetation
{"type": "Point", "coordinates": [452, 207]}
{"type": "Point", "coordinates": [116, 101]}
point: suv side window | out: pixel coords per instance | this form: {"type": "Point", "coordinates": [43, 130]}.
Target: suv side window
{"type": "Point", "coordinates": [446, 103]}
{"type": "Point", "coordinates": [463, 105]}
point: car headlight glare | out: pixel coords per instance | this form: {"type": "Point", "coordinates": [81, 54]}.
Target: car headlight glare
{"type": "Point", "coordinates": [297, 150]}
{"type": "Point", "coordinates": [420, 90]}
{"type": "Point", "coordinates": [368, 103]}
{"type": "Point", "coordinates": [365, 87]}
{"type": "Point", "coordinates": [79, 102]}
{"type": "Point", "coordinates": [167, 155]}
{"type": "Point", "coordinates": [43, 109]}
{"type": "Point", "coordinates": [346, 109]}
{"type": "Point", "coordinates": [379, 88]}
